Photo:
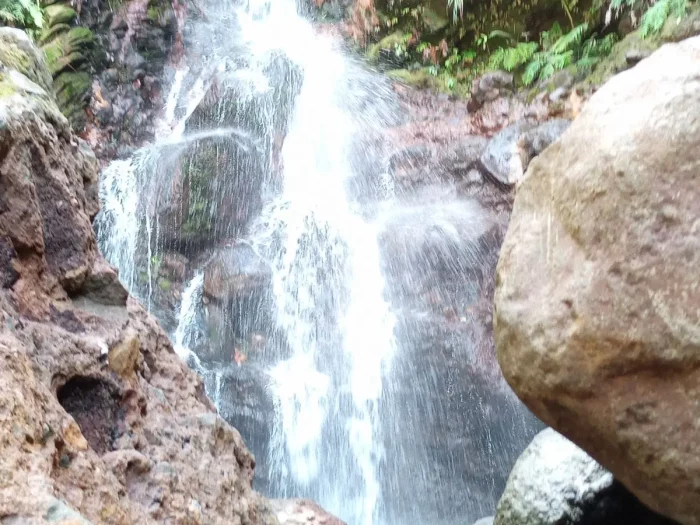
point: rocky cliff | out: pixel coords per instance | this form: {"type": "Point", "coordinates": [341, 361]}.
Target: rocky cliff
{"type": "Point", "coordinates": [100, 421]}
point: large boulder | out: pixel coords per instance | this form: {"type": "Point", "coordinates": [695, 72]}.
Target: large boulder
{"type": "Point", "coordinates": [598, 306]}
{"type": "Point", "coordinates": [554, 482]}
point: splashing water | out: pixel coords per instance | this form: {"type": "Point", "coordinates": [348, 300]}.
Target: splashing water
{"type": "Point", "coordinates": [327, 282]}
{"type": "Point", "coordinates": [264, 142]}
{"type": "Point", "coordinates": [183, 338]}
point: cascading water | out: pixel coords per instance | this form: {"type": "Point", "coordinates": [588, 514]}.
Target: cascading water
{"type": "Point", "coordinates": [261, 226]}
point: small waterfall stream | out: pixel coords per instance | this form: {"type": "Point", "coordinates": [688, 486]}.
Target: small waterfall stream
{"type": "Point", "coordinates": [255, 228]}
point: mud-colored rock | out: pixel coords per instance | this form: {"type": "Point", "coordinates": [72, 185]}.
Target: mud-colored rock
{"type": "Point", "coordinates": [597, 306]}
{"type": "Point", "coordinates": [124, 355]}
{"type": "Point", "coordinates": [80, 443]}
{"type": "Point", "coordinates": [489, 87]}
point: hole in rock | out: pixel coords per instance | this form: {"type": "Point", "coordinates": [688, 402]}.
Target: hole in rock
{"type": "Point", "coordinates": [96, 407]}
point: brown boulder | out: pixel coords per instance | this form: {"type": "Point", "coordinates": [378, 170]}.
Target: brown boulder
{"type": "Point", "coordinates": [597, 318]}
{"type": "Point", "coordinates": [235, 270]}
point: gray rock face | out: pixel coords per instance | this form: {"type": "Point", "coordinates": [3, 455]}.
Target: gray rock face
{"type": "Point", "coordinates": [535, 141]}
{"type": "Point", "coordinates": [598, 306]}
{"type": "Point", "coordinates": [552, 482]}
{"type": "Point", "coordinates": [502, 155]}
{"type": "Point", "coordinates": [489, 87]}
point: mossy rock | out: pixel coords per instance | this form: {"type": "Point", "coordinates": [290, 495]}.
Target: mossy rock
{"type": "Point", "coordinates": [50, 33]}
{"type": "Point", "coordinates": [18, 52]}
{"type": "Point", "coordinates": [70, 50]}
{"type": "Point", "coordinates": [59, 14]}
{"type": "Point", "coordinates": [73, 91]}
{"type": "Point", "coordinates": [387, 44]}
{"type": "Point", "coordinates": [673, 31]}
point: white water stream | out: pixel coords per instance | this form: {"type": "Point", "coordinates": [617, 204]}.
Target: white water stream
{"type": "Point", "coordinates": [263, 147]}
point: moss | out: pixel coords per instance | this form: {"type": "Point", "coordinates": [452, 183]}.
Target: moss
{"type": "Point", "coordinates": [59, 14]}
{"type": "Point", "coordinates": [164, 284]}
{"type": "Point", "coordinates": [458, 85]}
{"type": "Point", "coordinates": [6, 89]}
{"type": "Point", "coordinates": [18, 52]}
{"type": "Point", "coordinates": [433, 21]}
{"type": "Point", "coordinates": [80, 37]}
{"type": "Point", "coordinates": [673, 31]}
{"type": "Point", "coordinates": [388, 43]}
{"type": "Point", "coordinates": [52, 32]}
{"type": "Point", "coordinates": [73, 94]}
{"type": "Point", "coordinates": [420, 78]}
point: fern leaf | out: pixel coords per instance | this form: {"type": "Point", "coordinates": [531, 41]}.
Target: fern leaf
{"type": "Point", "coordinates": [570, 39]}
{"type": "Point", "coordinates": [531, 72]}
{"type": "Point", "coordinates": [655, 18]}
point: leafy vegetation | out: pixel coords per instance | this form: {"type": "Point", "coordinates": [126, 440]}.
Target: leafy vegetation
{"type": "Point", "coordinates": [555, 51]}
{"type": "Point", "coordinates": [481, 35]}
{"type": "Point", "coordinates": [26, 14]}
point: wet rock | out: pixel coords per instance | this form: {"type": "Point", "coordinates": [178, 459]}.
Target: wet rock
{"type": "Point", "coordinates": [302, 512]}
{"type": "Point", "coordinates": [234, 271]}
{"type": "Point", "coordinates": [44, 199]}
{"type": "Point", "coordinates": [103, 286]}
{"type": "Point", "coordinates": [597, 304]}
{"type": "Point", "coordinates": [555, 482]}
{"type": "Point", "coordinates": [502, 155]}
{"type": "Point", "coordinates": [124, 355]}
{"type": "Point", "coordinates": [489, 87]}
{"type": "Point", "coordinates": [174, 266]}
{"type": "Point", "coordinates": [8, 275]}
{"type": "Point", "coordinates": [71, 425]}
{"type": "Point", "coordinates": [421, 165]}
{"type": "Point", "coordinates": [17, 52]}
{"type": "Point", "coordinates": [535, 141]}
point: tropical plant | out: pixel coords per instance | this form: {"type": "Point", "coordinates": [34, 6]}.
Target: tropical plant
{"type": "Point", "coordinates": [654, 12]}
{"type": "Point", "coordinates": [26, 14]}
{"type": "Point", "coordinates": [555, 51]}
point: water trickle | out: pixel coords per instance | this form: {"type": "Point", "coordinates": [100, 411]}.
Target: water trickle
{"type": "Point", "coordinates": [185, 333]}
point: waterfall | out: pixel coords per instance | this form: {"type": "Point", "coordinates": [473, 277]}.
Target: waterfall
{"type": "Point", "coordinates": [262, 227]}
{"type": "Point", "coordinates": [187, 319]}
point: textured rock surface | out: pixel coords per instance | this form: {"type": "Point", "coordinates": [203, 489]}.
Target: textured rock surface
{"type": "Point", "coordinates": [597, 307]}
{"type": "Point", "coordinates": [554, 482]}
{"type": "Point", "coordinates": [501, 158]}
{"type": "Point", "coordinates": [302, 512]}
{"type": "Point", "coordinates": [100, 421]}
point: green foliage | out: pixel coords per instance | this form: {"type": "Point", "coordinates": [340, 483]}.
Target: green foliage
{"type": "Point", "coordinates": [556, 51]}
{"type": "Point", "coordinates": [655, 17]}
{"type": "Point", "coordinates": [654, 12]}
{"type": "Point", "coordinates": [25, 14]}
